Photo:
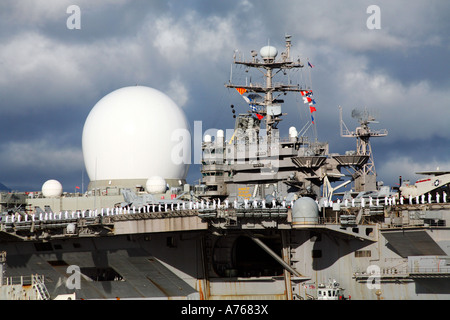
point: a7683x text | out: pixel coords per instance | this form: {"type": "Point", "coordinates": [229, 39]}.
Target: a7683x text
{"type": "Point", "coordinates": [231, 309]}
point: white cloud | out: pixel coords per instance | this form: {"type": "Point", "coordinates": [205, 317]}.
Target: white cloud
{"type": "Point", "coordinates": [408, 109]}
{"type": "Point", "coordinates": [412, 111]}
{"type": "Point", "coordinates": [192, 38]}
{"type": "Point", "coordinates": [178, 92]}
{"type": "Point", "coordinates": [404, 25]}
{"type": "Point", "coordinates": [32, 52]}
{"type": "Point", "coordinates": [62, 74]}
{"type": "Point", "coordinates": [37, 13]}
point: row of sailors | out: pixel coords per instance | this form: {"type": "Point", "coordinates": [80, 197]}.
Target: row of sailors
{"type": "Point", "coordinates": [389, 201]}
{"type": "Point", "coordinates": [236, 205]}
{"type": "Point", "coordinates": [206, 205]}
{"type": "Point", "coordinates": [43, 216]}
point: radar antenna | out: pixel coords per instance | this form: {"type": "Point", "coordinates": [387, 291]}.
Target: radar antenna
{"type": "Point", "coordinates": [367, 180]}
{"type": "Point", "coordinates": [269, 106]}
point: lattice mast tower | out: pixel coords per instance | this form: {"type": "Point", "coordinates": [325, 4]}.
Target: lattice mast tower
{"type": "Point", "coordinates": [365, 179]}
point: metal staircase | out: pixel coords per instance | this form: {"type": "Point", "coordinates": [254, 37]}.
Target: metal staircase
{"type": "Point", "coordinates": [39, 286]}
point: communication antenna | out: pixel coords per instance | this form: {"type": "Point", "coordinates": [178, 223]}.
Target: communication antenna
{"type": "Point", "coordinates": [269, 108]}
{"type": "Point", "coordinates": [367, 180]}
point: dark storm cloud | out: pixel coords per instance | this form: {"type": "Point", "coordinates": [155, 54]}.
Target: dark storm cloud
{"type": "Point", "coordinates": [51, 77]}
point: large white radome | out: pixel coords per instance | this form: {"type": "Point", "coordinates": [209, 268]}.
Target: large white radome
{"type": "Point", "coordinates": [133, 133]}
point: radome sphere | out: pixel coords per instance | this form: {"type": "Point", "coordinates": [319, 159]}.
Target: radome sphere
{"type": "Point", "coordinates": [156, 185]}
{"type": "Point", "coordinates": [268, 52]}
{"type": "Point", "coordinates": [136, 133]}
{"type": "Point", "coordinates": [305, 211]}
{"type": "Point", "coordinates": [52, 189]}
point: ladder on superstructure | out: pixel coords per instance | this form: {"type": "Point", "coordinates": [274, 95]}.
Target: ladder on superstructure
{"type": "Point", "coordinates": [39, 287]}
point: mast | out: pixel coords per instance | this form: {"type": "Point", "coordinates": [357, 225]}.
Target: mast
{"type": "Point", "coordinates": [255, 162]}
{"type": "Point", "coordinates": [363, 133]}
{"type": "Point", "coordinates": [269, 106]}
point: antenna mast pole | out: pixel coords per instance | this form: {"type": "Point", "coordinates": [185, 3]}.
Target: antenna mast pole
{"type": "Point", "coordinates": [367, 180]}
{"type": "Point", "coordinates": [269, 66]}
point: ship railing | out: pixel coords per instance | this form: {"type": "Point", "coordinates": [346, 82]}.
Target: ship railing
{"type": "Point", "coordinates": [288, 139]}
{"type": "Point", "coordinates": [390, 272]}
{"type": "Point", "coordinates": [329, 220]}
{"type": "Point", "coordinates": [322, 220]}
{"type": "Point", "coordinates": [393, 224]}
{"type": "Point", "coordinates": [249, 212]}
{"type": "Point", "coordinates": [18, 280]}
{"type": "Point", "coordinates": [63, 218]}
{"type": "Point", "coordinates": [315, 220]}
{"type": "Point", "coordinates": [34, 280]}
{"type": "Point", "coordinates": [414, 223]}
{"type": "Point", "coordinates": [39, 195]}
{"type": "Point", "coordinates": [430, 270]}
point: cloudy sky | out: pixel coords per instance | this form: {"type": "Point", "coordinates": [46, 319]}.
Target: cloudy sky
{"type": "Point", "coordinates": [51, 76]}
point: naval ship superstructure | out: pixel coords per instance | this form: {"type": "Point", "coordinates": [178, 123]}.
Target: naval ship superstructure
{"type": "Point", "coordinates": [264, 223]}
